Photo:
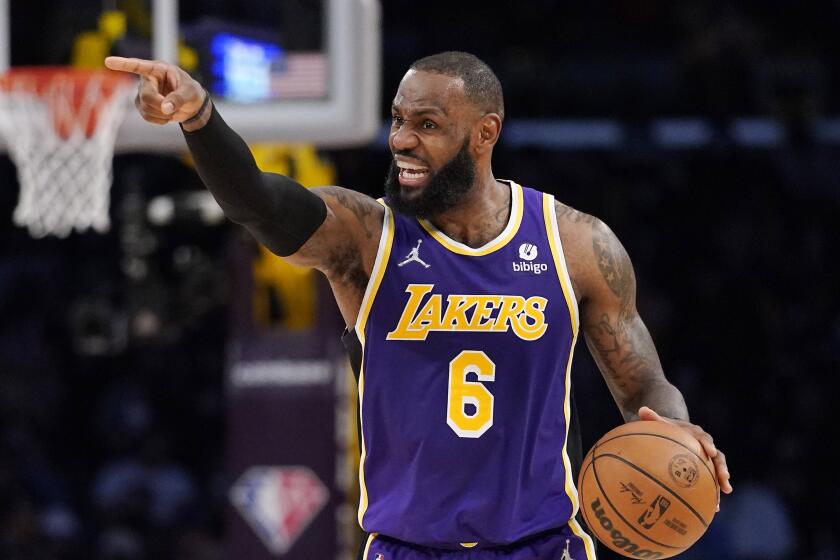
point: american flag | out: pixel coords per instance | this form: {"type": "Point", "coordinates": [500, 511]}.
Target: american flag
{"type": "Point", "coordinates": [301, 75]}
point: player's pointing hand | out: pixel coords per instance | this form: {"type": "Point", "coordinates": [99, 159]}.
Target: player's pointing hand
{"type": "Point", "coordinates": [166, 93]}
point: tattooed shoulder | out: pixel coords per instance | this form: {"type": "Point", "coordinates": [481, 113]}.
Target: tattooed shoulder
{"type": "Point", "coordinates": [568, 214]}
{"type": "Point", "coordinates": [575, 230]}
{"type": "Point", "coordinates": [612, 260]}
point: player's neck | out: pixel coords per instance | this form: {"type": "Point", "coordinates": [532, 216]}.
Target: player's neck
{"type": "Point", "coordinates": [481, 216]}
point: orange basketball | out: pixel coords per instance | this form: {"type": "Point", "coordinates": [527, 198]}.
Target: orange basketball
{"type": "Point", "coordinates": [647, 490]}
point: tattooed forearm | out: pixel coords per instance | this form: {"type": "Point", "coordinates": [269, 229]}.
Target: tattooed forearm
{"type": "Point", "coordinates": [615, 351]}
{"type": "Point", "coordinates": [624, 352]}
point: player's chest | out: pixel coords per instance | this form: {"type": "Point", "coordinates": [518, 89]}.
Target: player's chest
{"type": "Point", "coordinates": [514, 290]}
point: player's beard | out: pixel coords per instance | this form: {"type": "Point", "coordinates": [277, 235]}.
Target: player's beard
{"type": "Point", "coordinates": [446, 188]}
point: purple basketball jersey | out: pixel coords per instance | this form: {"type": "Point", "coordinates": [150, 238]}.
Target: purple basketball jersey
{"type": "Point", "coordinates": [464, 386]}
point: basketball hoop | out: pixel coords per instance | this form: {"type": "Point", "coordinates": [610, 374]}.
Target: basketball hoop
{"type": "Point", "coordinates": [60, 125]}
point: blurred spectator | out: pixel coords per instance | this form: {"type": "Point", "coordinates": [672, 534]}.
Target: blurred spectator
{"type": "Point", "coordinates": [151, 487]}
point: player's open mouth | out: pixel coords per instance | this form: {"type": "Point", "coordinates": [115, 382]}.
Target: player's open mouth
{"type": "Point", "coordinates": [412, 175]}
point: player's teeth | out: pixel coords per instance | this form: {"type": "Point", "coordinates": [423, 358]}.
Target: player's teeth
{"type": "Point", "coordinates": [406, 165]}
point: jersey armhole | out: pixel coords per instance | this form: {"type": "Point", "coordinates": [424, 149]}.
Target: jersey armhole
{"type": "Point", "coordinates": [380, 264]}
{"type": "Point", "coordinates": [556, 245]}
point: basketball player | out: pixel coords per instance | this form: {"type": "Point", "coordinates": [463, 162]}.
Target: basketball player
{"type": "Point", "coordinates": [464, 296]}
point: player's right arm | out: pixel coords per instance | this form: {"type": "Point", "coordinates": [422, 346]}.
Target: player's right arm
{"type": "Point", "coordinates": [333, 229]}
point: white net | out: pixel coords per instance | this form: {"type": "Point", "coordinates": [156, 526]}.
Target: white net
{"type": "Point", "coordinates": [60, 132]}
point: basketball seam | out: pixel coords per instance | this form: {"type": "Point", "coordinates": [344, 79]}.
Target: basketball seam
{"type": "Point", "coordinates": [702, 460]}
{"type": "Point", "coordinates": [618, 513]}
{"type": "Point", "coordinates": [653, 478]}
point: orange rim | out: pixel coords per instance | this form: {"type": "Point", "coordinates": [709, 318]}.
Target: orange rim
{"type": "Point", "coordinates": [67, 92]}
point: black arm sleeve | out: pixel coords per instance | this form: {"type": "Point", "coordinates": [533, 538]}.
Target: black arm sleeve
{"type": "Point", "coordinates": [278, 211]}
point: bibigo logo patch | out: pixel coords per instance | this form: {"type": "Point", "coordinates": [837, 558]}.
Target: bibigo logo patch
{"type": "Point", "coordinates": [528, 252]}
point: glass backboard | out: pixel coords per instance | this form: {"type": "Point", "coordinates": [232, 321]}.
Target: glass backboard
{"type": "Point", "coordinates": [285, 71]}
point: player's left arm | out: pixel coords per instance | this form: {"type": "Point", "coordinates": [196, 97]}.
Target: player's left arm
{"type": "Point", "coordinates": [615, 334]}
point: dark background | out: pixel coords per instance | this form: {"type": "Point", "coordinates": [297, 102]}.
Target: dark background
{"type": "Point", "coordinates": [736, 245]}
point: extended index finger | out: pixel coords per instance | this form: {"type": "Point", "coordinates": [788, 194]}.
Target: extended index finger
{"type": "Point", "coordinates": [134, 65]}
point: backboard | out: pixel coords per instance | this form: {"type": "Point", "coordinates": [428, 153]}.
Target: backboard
{"type": "Point", "coordinates": [270, 84]}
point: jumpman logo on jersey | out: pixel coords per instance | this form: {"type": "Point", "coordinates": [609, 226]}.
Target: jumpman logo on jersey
{"type": "Point", "coordinates": [414, 256]}
{"type": "Point", "coordinates": [566, 554]}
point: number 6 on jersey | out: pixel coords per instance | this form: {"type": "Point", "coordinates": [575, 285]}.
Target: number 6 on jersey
{"type": "Point", "coordinates": [463, 392]}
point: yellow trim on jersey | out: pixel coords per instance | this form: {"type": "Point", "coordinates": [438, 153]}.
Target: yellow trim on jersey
{"type": "Point", "coordinates": [587, 540]}
{"type": "Point", "coordinates": [516, 209]}
{"type": "Point", "coordinates": [379, 266]}
{"type": "Point", "coordinates": [363, 497]}
{"type": "Point", "coordinates": [571, 304]}
{"type": "Point", "coordinates": [468, 544]}
{"type": "Point", "coordinates": [571, 490]}
{"type": "Point", "coordinates": [367, 545]}
{"type": "Point", "coordinates": [560, 259]}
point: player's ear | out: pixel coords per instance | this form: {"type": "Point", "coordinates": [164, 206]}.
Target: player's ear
{"type": "Point", "coordinates": [489, 127]}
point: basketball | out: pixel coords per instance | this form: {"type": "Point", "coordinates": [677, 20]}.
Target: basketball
{"type": "Point", "coordinates": [647, 490]}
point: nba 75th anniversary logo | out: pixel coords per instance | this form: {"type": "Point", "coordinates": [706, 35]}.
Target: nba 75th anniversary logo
{"type": "Point", "coordinates": [279, 503]}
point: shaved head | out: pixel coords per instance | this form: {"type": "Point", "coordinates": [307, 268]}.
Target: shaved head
{"type": "Point", "coordinates": [481, 86]}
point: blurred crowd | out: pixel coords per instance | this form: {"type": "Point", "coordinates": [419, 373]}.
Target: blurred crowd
{"type": "Point", "coordinates": [111, 361]}
{"type": "Point", "coordinates": [635, 58]}
{"type": "Point", "coordinates": [112, 347]}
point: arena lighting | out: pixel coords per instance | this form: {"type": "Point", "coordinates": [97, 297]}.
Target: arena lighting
{"type": "Point", "coordinates": [241, 67]}
{"type": "Point", "coordinates": [657, 134]}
